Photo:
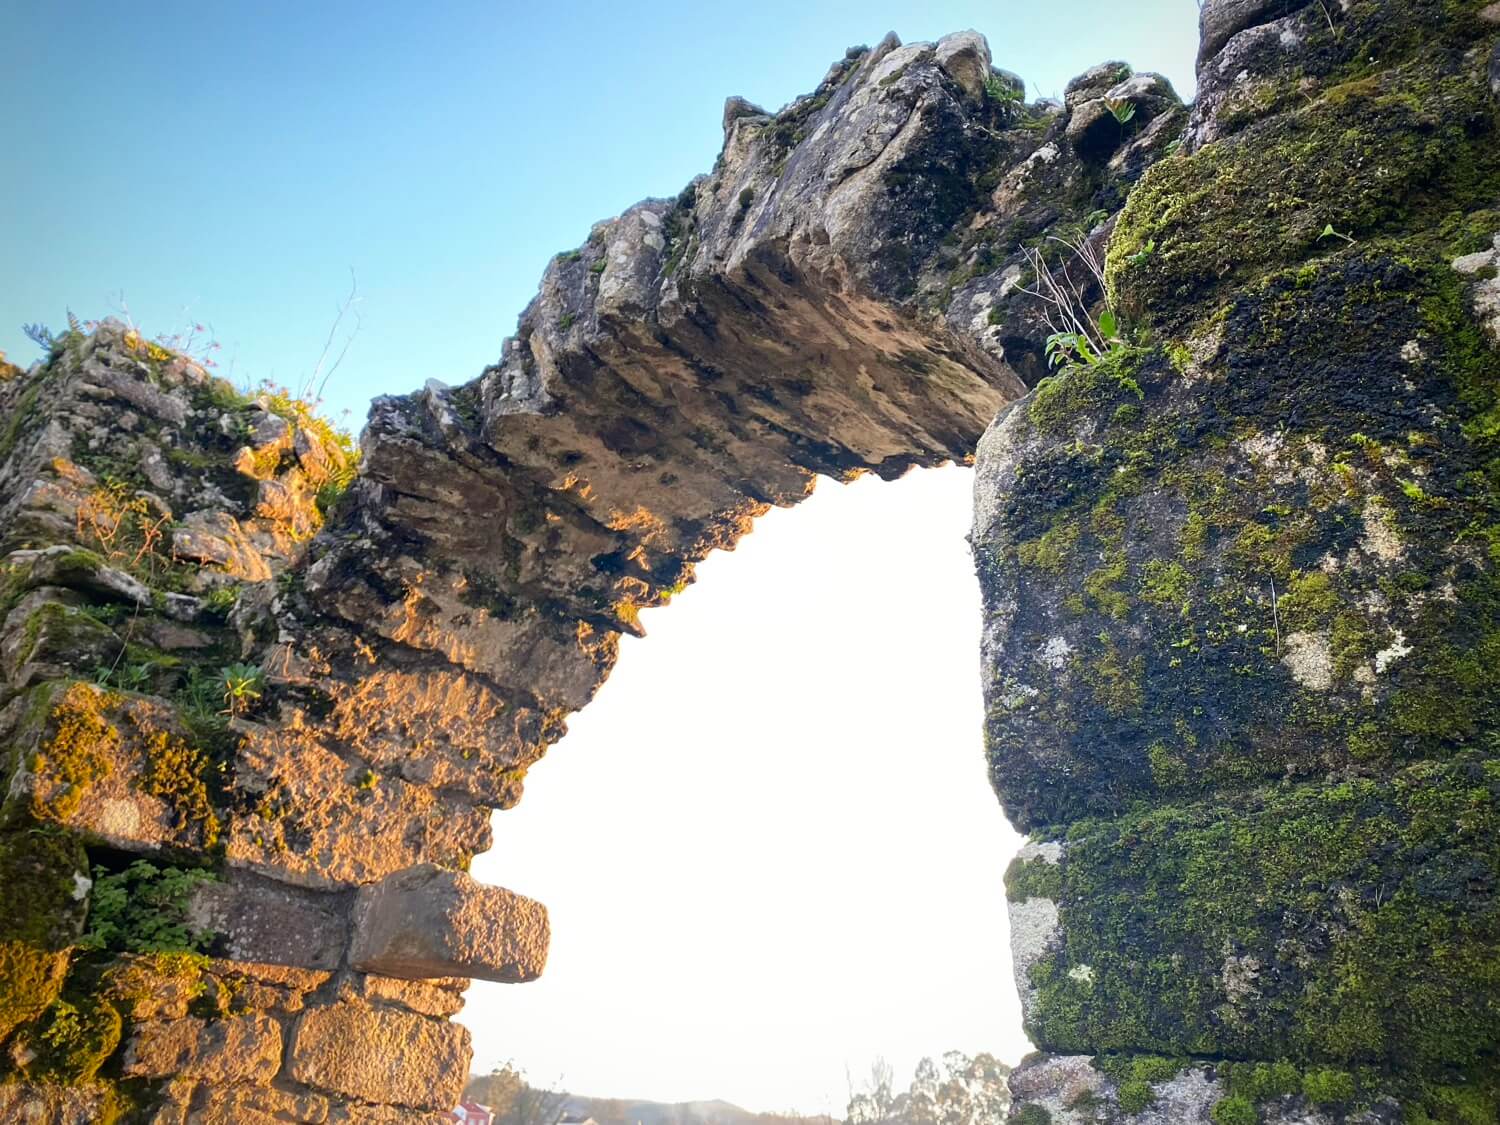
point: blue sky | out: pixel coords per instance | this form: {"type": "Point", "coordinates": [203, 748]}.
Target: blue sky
{"type": "Point", "coordinates": [230, 162]}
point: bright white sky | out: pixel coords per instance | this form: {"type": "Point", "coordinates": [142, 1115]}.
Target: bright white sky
{"type": "Point", "coordinates": [769, 846]}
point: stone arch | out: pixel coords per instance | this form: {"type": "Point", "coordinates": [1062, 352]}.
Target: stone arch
{"type": "Point", "coordinates": [844, 293]}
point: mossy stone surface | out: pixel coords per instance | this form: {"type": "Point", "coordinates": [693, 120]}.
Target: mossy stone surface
{"type": "Point", "coordinates": [1353, 924]}
{"type": "Point", "coordinates": [41, 869]}
{"type": "Point", "coordinates": [1242, 584]}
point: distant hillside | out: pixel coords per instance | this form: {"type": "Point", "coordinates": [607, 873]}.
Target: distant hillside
{"type": "Point", "coordinates": [624, 1111]}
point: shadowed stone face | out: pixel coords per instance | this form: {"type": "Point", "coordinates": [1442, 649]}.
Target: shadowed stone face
{"type": "Point", "coordinates": [1240, 635]}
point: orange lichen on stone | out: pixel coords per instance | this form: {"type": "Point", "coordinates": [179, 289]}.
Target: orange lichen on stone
{"type": "Point", "coordinates": [647, 523]}
{"type": "Point", "coordinates": [419, 710]}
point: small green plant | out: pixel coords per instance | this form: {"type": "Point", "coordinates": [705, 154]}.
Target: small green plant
{"type": "Point", "coordinates": [1143, 255]}
{"type": "Point", "coordinates": [1077, 337]}
{"type": "Point", "coordinates": [143, 909]}
{"type": "Point", "coordinates": [1085, 347]}
{"type": "Point", "coordinates": [1123, 109]}
{"type": "Point", "coordinates": [129, 677]}
{"type": "Point", "coordinates": [1009, 99]}
{"type": "Point", "coordinates": [242, 684]}
{"type": "Point", "coordinates": [76, 1041]}
{"type": "Point", "coordinates": [199, 699]}
{"type": "Point", "coordinates": [1329, 232]}
{"type": "Point", "coordinates": [747, 197]}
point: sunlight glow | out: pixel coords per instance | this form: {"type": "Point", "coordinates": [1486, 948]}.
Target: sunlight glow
{"type": "Point", "coordinates": [769, 846]}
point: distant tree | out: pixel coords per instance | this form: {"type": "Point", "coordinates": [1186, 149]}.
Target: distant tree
{"type": "Point", "coordinates": [497, 1089]}
{"type": "Point", "coordinates": [514, 1100]}
{"type": "Point", "coordinates": [963, 1091]}
{"type": "Point", "coordinates": [876, 1103]}
{"type": "Point", "coordinates": [534, 1105]}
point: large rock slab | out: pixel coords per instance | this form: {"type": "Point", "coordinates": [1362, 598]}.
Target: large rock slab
{"type": "Point", "coordinates": [1221, 20]}
{"type": "Point", "coordinates": [428, 922]}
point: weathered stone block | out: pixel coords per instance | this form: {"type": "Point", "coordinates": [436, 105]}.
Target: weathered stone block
{"type": "Point", "coordinates": [273, 923]}
{"type": "Point", "coordinates": [257, 1105]}
{"type": "Point", "coordinates": [325, 823]}
{"type": "Point", "coordinates": [1256, 924]}
{"type": "Point", "coordinates": [420, 996]}
{"type": "Point", "coordinates": [429, 922]}
{"type": "Point", "coordinates": [233, 1049]}
{"type": "Point", "coordinates": [24, 1103]}
{"type": "Point", "coordinates": [47, 636]}
{"type": "Point", "coordinates": [115, 766]}
{"type": "Point", "coordinates": [1221, 20]}
{"type": "Point", "coordinates": [380, 1055]}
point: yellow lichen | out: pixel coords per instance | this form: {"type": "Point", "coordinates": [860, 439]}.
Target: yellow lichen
{"type": "Point", "coordinates": [81, 750]}
{"type": "Point", "coordinates": [175, 773]}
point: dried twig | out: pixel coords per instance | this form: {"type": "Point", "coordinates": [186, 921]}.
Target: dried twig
{"type": "Point", "coordinates": [312, 390]}
{"type": "Point", "coordinates": [1276, 617]}
{"type": "Point", "coordinates": [1066, 309]}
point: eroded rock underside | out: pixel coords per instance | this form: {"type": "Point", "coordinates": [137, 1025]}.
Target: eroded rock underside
{"type": "Point", "coordinates": [1240, 641]}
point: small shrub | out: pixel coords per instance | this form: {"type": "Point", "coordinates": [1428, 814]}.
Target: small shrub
{"type": "Point", "coordinates": [220, 601]}
{"type": "Point", "coordinates": [1324, 1086]}
{"type": "Point", "coordinates": [1235, 1110]}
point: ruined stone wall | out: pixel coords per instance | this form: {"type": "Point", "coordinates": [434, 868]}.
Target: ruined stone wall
{"type": "Point", "coordinates": [1242, 635]}
{"type": "Point", "coordinates": [257, 703]}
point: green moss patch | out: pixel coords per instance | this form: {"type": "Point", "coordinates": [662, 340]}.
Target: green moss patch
{"type": "Point", "coordinates": [1297, 908]}
{"type": "Point", "coordinates": [1379, 153]}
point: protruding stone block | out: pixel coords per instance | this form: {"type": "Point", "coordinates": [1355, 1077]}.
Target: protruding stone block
{"type": "Point", "coordinates": [428, 922]}
{"type": "Point", "coordinates": [380, 1055]}
{"type": "Point", "coordinates": [273, 923]}
{"type": "Point", "coordinates": [966, 57]}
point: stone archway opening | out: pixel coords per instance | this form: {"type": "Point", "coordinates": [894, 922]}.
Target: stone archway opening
{"type": "Point", "coordinates": [768, 847]}
{"type": "Point", "coordinates": [841, 296]}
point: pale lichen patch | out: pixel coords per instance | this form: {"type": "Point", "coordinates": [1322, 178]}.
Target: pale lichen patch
{"type": "Point", "coordinates": [1309, 658]}
{"type": "Point", "coordinates": [1381, 538]}
{"type": "Point", "coordinates": [1393, 652]}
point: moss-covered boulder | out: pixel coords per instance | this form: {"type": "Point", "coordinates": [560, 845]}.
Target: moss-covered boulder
{"type": "Point", "coordinates": [1242, 588]}
{"type": "Point", "coordinates": [45, 875]}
